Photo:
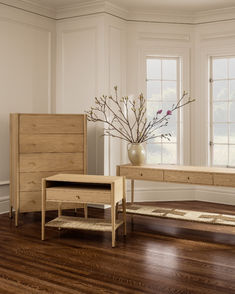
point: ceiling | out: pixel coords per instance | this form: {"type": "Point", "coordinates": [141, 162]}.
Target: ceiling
{"type": "Point", "coordinates": [183, 5]}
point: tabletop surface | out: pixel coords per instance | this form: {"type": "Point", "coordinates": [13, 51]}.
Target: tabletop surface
{"type": "Point", "coordinates": [189, 168]}
{"type": "Point", "coordinates": [83, 178]}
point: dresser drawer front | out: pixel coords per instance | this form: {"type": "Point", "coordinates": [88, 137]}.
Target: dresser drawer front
{"type": "Point", "coordinates": [82, 196]}
{"type": "Point", "coordinates": [188, 177]}
{"type": "Point", "coordinates": [51, 162]}
{"type": "Point", "coordinates": [142, 174]}
{"type": "Point", "coordinates": [32, 201]}
{"type": "Point", "coordinates": [33, 181]}
{"type": "Point", "coordinates": [51, 124]}
{"type": "Point", "coordinates": [227, 180]}
{"type": "Point", "coordinates": [34, 143]}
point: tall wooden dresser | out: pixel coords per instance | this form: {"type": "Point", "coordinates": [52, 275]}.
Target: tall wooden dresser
{"type": "Point", "coordinates": [42, 145]}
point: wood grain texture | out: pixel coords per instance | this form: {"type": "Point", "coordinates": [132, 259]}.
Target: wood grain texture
{"type": "Point", "coordinates": [47, 123]}
{"type": "Point", "coordinates": [188, 177]}
{"type": "Point", "coordinates": [51, 162]}
{"type": "Point", "coordinates": [33, 181]}
{"type": "Point", "coordinates": [85, 195]}
{"type": "Point", "coordinates": [224, 180]}
{"type": "Point", "coordinates": [32, 201]}
{"type": "Point", "coordinates": [157, 257]}
{"type": "Point", "coordinates": [34, 143]}
{"type": "Point", "coordinates": [43, 145]}
{"type": "Point", "coordinates": [87, 189]}
{"type": "Point", "coordinates": [139, 172]}
{"type": "Point", "coordinates": [197, 175]}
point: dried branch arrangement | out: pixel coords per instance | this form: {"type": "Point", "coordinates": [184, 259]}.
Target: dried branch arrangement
{"type": "Point", "coordinates": [125, 118]}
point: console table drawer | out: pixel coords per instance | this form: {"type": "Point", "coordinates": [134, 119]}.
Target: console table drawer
{"type": "Point", "coordinates": [226, 180]}
{"type": "Point", "coordinates": [64, 194]}
{"type": "Point", "coordinates": [142, 174]}
{"type": "Point", "coordinates": [188, 177]}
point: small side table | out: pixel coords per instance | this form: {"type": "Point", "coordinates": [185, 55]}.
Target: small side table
{"type": "Point", "coordinates": [74, 188]}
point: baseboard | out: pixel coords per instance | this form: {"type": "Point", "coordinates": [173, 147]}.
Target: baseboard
{"type": "Point", "coordinates": [216, 195]}
{"type": "Point", "coordinates": [220, 195]}
{"type": "Point", "coordinates": [162, 194]}
{"type": "Point", "coordinates": [4, 204]}
{"type": "Point", "coordinates": [172, 193]}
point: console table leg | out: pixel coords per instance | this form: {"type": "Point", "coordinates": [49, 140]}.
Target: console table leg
{"type": "Point", "coordinates": [16, 217]}
{"type": "Point", "coordinates": [132, 200]}
{"type": "Point", "coordinates": [43, 207]}
{"type": "Point", "coordinates": [59, 212]}
{"type": "Point", "coordinates": [59, 209]}
{"type": "Point", "coordinates": [132, 191]}
{"type": "Point", "coordinates": [113, 225]}
{"type": "Point", "coordinates": [85, 211]}
{"type": "Point", "coordinates": [124, 206]}
{"type": "Point", "coordinates": [113, 217]}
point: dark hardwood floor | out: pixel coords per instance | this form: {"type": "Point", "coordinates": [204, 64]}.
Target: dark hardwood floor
{"type": "Point", "coordinates": [157, 256]}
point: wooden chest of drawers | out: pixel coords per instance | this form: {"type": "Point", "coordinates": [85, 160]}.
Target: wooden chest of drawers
{"type": "Point", "coordinates": [43, 145]}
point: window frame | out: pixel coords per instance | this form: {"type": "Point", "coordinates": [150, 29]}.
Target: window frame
{"type": "Point", "coordinates": [178, 95]}
{"type": "Point", "coordinates": [211, 116]}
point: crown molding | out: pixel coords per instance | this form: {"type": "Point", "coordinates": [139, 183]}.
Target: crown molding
{"type": "Point", "coordinates": [161, 16]}
{"type": "Point", "coordinates": [81, 9]}
{"type": "Point", "coordinates": [89, 8]}
{"type": "Point", "coordinates": [215, 15]}
{"type": "Point", "coordinates": [93, 7]}
{"type": "Point", "coordinates": [31, 7]}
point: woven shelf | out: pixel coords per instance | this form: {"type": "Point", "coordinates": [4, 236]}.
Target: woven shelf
{"type": "Point", "coordinates": [93, 224]}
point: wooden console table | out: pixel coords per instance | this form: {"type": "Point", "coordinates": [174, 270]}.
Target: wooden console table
{"type": "Point", "coordinates": [196, 175]}
{"type": "Point", "coordinates": [73, 188]}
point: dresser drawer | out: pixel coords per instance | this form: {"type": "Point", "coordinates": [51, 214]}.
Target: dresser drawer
{"type": "Point", "coordinates": [99, 196]}
{"type": "Point", "coordinates": [33, 181]}
{"type": "Point", "coordinates": [227, 180]}
{"type": "Point", "coordinates": [141, 173]}
{"type": "Point", "coordinates": [32, 201]}
{"type": "Point", "coordinates": [51, 124]}
{"type": "Point", "coordinates": [51, 162]}
{"type": "Point", "coordinates": [44, 143]}
{"type": "Point", "coordinates": [188, 177]}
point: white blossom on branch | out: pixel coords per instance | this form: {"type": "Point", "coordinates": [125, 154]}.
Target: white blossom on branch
{"type": "Point", "coordinates": [125, 118]}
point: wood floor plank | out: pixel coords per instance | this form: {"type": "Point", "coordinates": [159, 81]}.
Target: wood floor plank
{"type": "Point", "coordinates": [157, 257]}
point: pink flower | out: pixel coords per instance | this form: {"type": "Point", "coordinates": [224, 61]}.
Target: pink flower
{"type": "Point", "coordinates": [169, 112]}
{"type": "Point", "coordinates": [159, 111]}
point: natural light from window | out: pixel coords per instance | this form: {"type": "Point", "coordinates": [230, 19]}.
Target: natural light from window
{"type": "Point", "coordinates": [222, 111]}
{"type": "Point", "coordinates": [162, 83]}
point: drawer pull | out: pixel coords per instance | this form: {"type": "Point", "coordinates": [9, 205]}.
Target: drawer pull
{"type": "Point", "coordinates": [141, 174]}
{"type": "Point", "coordinates": [77, 196]}
{"type": "Point", "coordinates": [188, 178]}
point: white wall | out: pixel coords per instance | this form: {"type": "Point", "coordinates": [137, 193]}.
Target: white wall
{"type": "Point", "coordinates": [81, 71]}
{"type": "Point", "coordinates": [61, 65]}
{"type": "Point", "coordinates": [27, 43]}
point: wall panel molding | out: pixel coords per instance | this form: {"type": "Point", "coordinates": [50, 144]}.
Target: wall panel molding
{"type": "Point", "coordinates": [163, 36]}
{"type": "Point", "coordinates": [214, 36]}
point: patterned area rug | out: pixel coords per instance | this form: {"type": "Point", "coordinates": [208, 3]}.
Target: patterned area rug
{"type": "Point", "coordinates": [180, 214]}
